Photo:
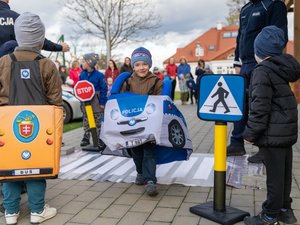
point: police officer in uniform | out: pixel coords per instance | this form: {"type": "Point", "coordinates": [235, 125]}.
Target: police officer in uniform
{"type": "Point", "coordinates": [254, 16]}
{"type": "Point", "coordinates": [7, 20]}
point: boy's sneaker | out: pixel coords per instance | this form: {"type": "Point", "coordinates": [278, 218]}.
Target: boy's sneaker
{"type": "Point", "coordinates": [287, 216]}
{"type": "Point", "coordinates": [151, 189]}
{"type": "Point", "coordinates": [11, 219]}
{"type": "Point", "coordinates": [260, 219]}
{"type": "Point", "coordinates": [47, 213]}
{"type": "Point", "coordinates": [139, 180]}
{"type": "Point", "coordinates": [84, 142]}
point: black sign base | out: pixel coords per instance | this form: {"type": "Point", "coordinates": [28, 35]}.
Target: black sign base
{"type": "Point", "coordinates": [91, 148]}
{"type": "Point", "coordinates": [229, 216]}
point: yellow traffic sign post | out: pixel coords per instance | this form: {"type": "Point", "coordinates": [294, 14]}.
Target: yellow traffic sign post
{"type": "Point", "coordinates": [221, 100]}
{"type": "Point", "coordinates": [85, 91]}
{"type": "Point", "coordinates": [92, 126]}
{"type": "Point", "coordinates": [220, 166]}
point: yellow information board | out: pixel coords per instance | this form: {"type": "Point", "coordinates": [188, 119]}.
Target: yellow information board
{"type": "Point", "coordinates": [30, 141]}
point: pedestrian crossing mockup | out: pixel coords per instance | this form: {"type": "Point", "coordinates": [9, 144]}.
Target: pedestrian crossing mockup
{"type": "Point", "coordinates": [197, 171]}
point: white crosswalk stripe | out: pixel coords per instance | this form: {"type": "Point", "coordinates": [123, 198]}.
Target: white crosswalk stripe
{"type": "Point", "coordinates": [197, 171]}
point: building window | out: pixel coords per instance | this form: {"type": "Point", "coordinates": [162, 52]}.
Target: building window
{"type": "Point", "coordinates": [230, 70]}
{"type": "Point", "coordinates": [230, 34]}
{"type": "Point", "coordinates": [230, 56]}
{"type": "Point", "coordinates": [226, 35]}
{"type": "Point", "coordinates": [199, 50]}
{"type": "Point", "coordinates": [211, 48]}
{"type": "Point", "coordinates": [234, 34]}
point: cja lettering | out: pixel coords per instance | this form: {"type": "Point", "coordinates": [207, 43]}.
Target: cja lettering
{"type": "Point", "coordinates": [6, 21]}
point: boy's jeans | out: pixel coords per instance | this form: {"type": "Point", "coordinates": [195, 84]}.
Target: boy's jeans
{"type": "Point", "coordinates": [12, 195]}
{"type": "Point", "coordinates": [144, 160]}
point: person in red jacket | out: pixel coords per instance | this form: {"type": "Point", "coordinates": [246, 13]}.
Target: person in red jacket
{"type": "Point", "coordinates": [172, 72]}
{"type": "Point", "coordinates": [112, 70]}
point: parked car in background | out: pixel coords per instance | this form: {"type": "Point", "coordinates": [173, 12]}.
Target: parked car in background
{"type": "Point", "coordinates": [71, 104]}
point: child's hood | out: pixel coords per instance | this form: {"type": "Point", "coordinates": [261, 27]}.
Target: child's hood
{"type": "Point", "coordinates": [285, 66]}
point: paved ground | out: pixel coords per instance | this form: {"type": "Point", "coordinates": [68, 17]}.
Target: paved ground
{"type": "Point", "coordinates": [107, 203]}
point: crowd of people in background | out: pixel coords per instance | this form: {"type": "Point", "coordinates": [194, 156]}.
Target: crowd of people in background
{"type": "Point", "coordinates": [258, 57]}
{"type": "Point", "coordinates": [187, 82]}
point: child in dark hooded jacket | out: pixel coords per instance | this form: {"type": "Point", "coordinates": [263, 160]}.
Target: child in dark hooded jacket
{"type": "Point", "coordinates": [272, 123]}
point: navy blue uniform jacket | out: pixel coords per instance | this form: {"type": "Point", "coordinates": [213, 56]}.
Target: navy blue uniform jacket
{"type": "Point", "coordinates": [254, 16]}
{"type": "Point", "coordinates": [7, 33]}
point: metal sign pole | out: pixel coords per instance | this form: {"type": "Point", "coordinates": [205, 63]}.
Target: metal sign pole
{"type": "Point", "coordinates": [221, 100]}
{"type": "Point", "coordinates": [220, 166]}
{"type": "Point", "coordinates": [91, 121]}
{"type": "Point", "coordinates": [92, 126]}
{"type": "Point", "coordinates": [216, 210]}
{"type": "Point", "coordinates": [85, 91]}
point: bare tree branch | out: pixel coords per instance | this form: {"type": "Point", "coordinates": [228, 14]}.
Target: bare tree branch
{"type": "Point", "coordinates": [234, 11]}
{"type": "Point", "coordinates": [127, 19]}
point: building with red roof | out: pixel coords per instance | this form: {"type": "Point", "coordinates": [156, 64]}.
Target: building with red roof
{"type": "Point", "coordinates": [216, 47]}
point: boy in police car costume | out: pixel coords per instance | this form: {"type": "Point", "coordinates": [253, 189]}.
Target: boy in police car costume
{"type": "Point", "coordinates": [143, 82]}
{"type": "Point", "coordinates": [30, 35]}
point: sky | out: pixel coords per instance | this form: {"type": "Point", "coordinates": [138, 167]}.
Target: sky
{"type": "Point", "coordinates": [181, 23]}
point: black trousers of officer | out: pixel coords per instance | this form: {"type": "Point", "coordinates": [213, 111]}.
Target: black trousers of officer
{"type": "Point", "coordinates": [278, 162]}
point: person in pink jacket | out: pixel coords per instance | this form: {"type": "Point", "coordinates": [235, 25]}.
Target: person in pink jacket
{"type": "Point", "coordinates": [75, 72]}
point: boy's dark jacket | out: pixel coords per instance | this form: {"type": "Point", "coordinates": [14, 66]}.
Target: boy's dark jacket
{"type": "Point", "coordinates": [273, 116]}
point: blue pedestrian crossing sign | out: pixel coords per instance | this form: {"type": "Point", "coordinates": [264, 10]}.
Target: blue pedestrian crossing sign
{"type": "Point", "coordinates": [221, 98]}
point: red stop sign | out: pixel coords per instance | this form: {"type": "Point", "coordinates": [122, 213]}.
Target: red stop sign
{"type": "Point", "coordinates": [84, 90]}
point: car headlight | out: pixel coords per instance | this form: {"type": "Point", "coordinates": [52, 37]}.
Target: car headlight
{"type": "Point", "coordinates": [114, 114]}
{"type": "Point", "coordinates": [150, 108]}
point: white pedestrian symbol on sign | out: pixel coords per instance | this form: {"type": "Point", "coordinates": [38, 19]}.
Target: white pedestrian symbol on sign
{"type": "Point", "coordinates": [220, 100]}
